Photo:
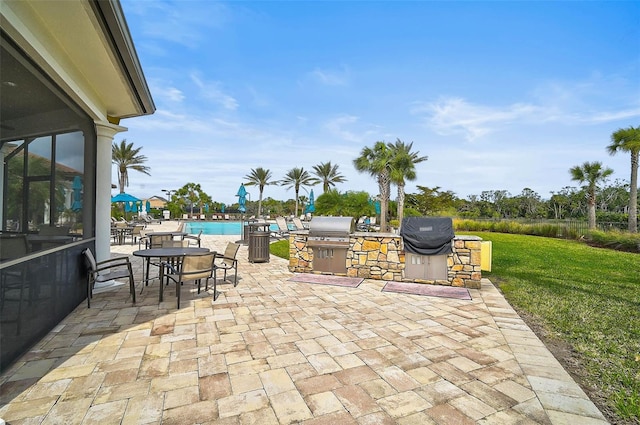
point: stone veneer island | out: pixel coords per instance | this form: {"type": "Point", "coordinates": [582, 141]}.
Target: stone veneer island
{"type": "Point", "coordinates": [381, 256]}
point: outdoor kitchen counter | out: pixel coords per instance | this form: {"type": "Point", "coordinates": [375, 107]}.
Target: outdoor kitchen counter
{"type": "Point", "coordinates": [356, 234]}
{"type": "Point", "coordinates": [373, 255]}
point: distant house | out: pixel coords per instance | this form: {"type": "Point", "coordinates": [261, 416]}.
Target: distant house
{"type": "Point", "coordinates": [70, 74]}
{"type": "Point", "coordinates": [157, 202]}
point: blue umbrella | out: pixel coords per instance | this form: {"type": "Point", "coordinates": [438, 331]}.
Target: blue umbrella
{"type": "Point", "coordinates": [77, 194]}
{"type": "Point", "coordinates": [206, 208]}
{"type": "Point", "coordinates": [221, 207]}
{"type": "Point", "coordinates": [124, 197]}
{"type": "Point", "coordinates": [376, 205]}
{"type": "Point", "coordinates": [148, 206]}
{"type": "Point", "coordinates": [311, 207]}
{"type": "Point", "coordinates": [127, 200]}
{"type": "Point", "coordinates": [242, 198]}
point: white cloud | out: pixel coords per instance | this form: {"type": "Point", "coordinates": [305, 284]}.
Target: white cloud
{"type": "Point", "coordinates": [164, 120]}
{"type": "Point", "coordinates": [349, 128]}
{"type": "Point", "coordinates": [163, 93]}
{"type": "Point", "coordinates": [331, 77]}
{"type": "Point", "coordinates": [258, 98]}
{"type": "Point", "coordinates": [180, 22]}
{"type": "Point", "coordinates": [211, 90]}
{"type": "Point", "coordinates": [596, 99]}
{"type": "Point", "coordinates": [609, 116]}
{"type": "Point", "coordinates": [561, 105]}
{"type": "Point", "coordinates": [449, 116]}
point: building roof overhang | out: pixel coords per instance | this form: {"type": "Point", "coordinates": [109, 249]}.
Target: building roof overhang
{"type": "Point", "coordinates": [85, 47]}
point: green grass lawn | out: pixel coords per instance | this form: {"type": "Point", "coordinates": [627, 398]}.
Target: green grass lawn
{"type": "Point", "coordinates": [280, 249]}
{"type": "Point", "coordinates": [586, 297]}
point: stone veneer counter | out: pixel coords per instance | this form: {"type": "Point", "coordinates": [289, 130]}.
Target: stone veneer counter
{"type": "Point", "coordinates": [381, 256]}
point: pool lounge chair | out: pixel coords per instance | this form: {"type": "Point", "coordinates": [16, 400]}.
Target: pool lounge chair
{"type": "Point", "coordinates": [298, 223]}
{"type": "Point", "coordinates": [147, 219]}
{"type": "Point", "coordinates": [283, 229]}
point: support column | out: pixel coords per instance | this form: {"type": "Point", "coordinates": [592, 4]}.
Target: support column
{"type": "Point", "coordinates": [105, 132]}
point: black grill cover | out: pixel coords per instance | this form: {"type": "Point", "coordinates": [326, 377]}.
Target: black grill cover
{"type": "Point", "coordinates": [427, 235]}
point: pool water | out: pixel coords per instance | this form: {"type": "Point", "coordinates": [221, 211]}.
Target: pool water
{"type": "Point", "coordinates": [218, 227]}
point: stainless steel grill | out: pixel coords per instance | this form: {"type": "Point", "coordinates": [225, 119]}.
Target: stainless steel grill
{"type": "Point", "coordinates": [427, 242]}
{"type": "Point", "coordinates": [325, 231]}
{"type": "Point", "coordinates": [329, 241]}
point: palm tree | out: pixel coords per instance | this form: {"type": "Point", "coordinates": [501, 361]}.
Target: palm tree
{"type": "Point", "coordinates": [628, 140]}
{"type": "Point", "coordinates": [261, 178]}
{"type": "Point", "coordinates": [377, 162]}
{"type": "Point", "coordinates": [590, 173]}
{"type": "Point", "coordinates": [127, 158]}
{"type": "Point", "coordinates": [296, 178]}
{"type": "Point", "coordinates": [328, 175]}
{"type": "Point", "coordinates": [403, 168]}
{"type": "Point", "coordinates": [192, 194]}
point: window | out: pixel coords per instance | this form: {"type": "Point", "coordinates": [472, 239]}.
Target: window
{"type": "Point", "coordinates": [45, 141]}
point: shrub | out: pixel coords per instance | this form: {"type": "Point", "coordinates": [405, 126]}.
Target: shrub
{"type": "Point", "coordinates": [610, 217]}
{"type": "Point", "coordinates": [617, 240]}
{"type": "Point", "coordinates": [614, 239]}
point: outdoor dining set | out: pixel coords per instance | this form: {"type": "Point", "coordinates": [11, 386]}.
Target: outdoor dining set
{"type": "Point", "coordinates": [133, 230]}
{"type": "Point", "coordinates": [178, 258]}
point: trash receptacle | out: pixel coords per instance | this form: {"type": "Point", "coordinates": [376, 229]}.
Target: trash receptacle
{"type": "Point", "coordinates": [259, 247]}
{"type": "Point", "coordinates": [245, 233]}
{"type": "Point", "coordinates": [252, 226]}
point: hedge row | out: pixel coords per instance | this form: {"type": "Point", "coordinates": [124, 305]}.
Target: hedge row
{"type": "Point", "coordinates": [621, 241]}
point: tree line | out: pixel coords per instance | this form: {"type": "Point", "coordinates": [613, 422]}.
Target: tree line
{"type": "Point", "coordinates": [394, 164]}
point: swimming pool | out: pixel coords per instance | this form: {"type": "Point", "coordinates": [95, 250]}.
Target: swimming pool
{"type": "Point", "coordinates": [218, 227]}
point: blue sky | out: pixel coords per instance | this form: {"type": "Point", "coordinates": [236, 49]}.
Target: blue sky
{"type": "Point", "coordinates": [499, 95]}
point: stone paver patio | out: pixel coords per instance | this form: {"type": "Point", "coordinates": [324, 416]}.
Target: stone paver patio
{"type": "Point", "coordinates": [272, 351]}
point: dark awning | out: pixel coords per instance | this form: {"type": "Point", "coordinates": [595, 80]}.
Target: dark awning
{"type": "Point", "coordinates": [427, 235]}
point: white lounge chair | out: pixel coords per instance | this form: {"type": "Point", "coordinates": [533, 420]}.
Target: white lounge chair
{"type": "Point", "coordinates": [283, 228]}
{"type": "Point", "coordinates": [298, 223]}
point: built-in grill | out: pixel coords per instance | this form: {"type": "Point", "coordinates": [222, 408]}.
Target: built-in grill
{"type": "Point", "coordinates": [427, 242]}
{"type": "Point", "coordinates": [329, 241]}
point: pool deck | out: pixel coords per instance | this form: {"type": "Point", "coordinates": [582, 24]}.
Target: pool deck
{"type": "Point", "coordinates": [271, 351]}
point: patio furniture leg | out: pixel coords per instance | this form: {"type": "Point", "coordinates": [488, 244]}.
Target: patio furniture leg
{"type": "Point", "coordinates": [162, 283]}
{"type": "Point", "coordinates": [145, 275]}
{"type": "Point", "coordinates": [132, 285]}
{"type": "Point", "coordinates": [215, 285]}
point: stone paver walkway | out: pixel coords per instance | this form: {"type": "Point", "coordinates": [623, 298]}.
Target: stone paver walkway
{"type": "Point", "coordinates": [272, 351]}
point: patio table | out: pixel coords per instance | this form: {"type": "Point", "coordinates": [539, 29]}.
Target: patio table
{"type": "Point", "coordinates": [175, 233]}
{"type": "Point", "coordinates": [162, 253]}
